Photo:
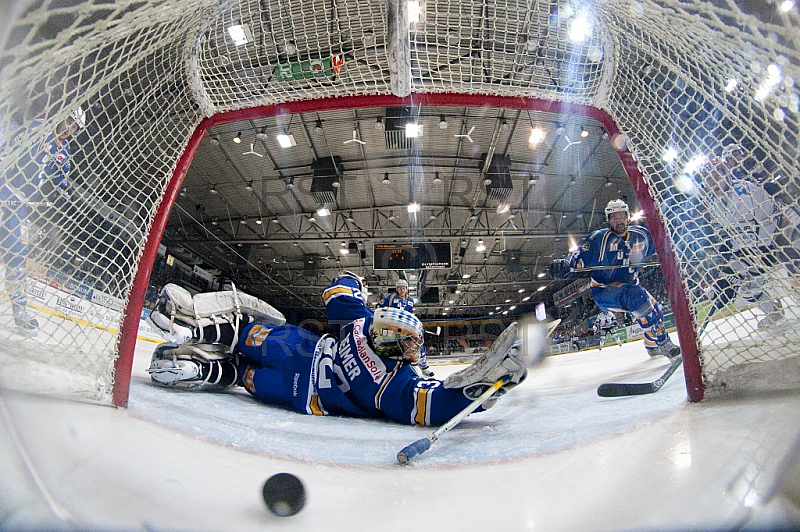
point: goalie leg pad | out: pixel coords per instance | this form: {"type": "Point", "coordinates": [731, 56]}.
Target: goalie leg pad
{"type": "Point", "coordinates": [227, 312]}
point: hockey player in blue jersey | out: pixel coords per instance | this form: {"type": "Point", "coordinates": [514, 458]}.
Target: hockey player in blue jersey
{"type": "Point", "coordinates": [618, 289]}
{"type": "Point", "coordinates": [42, 168]}
{"type": "Point", "coordinates": [402, 300]}
{"type": "Point", "coordinates": [363, 369]}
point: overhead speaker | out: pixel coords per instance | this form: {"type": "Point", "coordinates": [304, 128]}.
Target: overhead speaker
{"type": "Point", "coordinates": [327, 171]}
{"type": "Point", "coordinates": [395, 127]}
{"type": "Point", "coordinates": [498, 177]}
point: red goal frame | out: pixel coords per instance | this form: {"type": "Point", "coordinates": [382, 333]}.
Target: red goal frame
{"type": "Point", "coordinates": [680, 306]}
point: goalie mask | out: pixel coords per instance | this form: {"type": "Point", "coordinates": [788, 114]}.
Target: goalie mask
{"type": "Point", "coordinates": [396, 334]}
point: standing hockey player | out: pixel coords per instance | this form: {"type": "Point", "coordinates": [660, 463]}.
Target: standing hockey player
{"type": "Point", "coordinates": [401, 300]}
{"type": "Point", "coordinates": [749, 225]}
{"type": "Point", "coordinates": [618, 289]}
{"type": "Point", "coordinates": [604, 324]}
{"type": "Point", "coordinates": [364, 371]}
{"type": "Point", "coordinates": [42, 168]}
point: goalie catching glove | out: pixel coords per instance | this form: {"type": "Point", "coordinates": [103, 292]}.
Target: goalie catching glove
{"type": "Point", "coordinates": [509, 357]}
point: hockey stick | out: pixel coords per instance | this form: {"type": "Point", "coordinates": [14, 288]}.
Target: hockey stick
{"type": "Point", "coordinates": [625, 389]}
{"type": "Point", "coordinates": [420, 446]}
{"type": "Point", "coordinates": [595, 268]}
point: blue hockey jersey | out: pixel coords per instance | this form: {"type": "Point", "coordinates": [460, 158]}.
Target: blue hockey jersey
{"type": "Point", "coordinates": [605, 248]}
{"type": "Point", "coordinates": [47, 162]}
{"type": "Point", "coordinates": [395, 301]}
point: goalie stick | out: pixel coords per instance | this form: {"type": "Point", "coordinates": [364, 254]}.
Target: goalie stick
{"type": "Point", "coordinates": [423, 444]}
{"type": "Point", "coordinates": [644, 388]}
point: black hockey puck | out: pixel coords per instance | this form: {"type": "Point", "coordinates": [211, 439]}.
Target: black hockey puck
{"type": "Point", "coordinates": [284, 494]}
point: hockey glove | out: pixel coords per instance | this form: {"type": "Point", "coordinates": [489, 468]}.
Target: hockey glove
{"type": "Point", "coordinates": [559, 269]}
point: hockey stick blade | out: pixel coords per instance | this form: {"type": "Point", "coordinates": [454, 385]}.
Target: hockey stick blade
{"type": "Point", "coordinates": [626, 389]}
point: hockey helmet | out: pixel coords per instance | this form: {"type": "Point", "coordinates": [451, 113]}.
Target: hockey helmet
{"type": "Point", "coordinates": [401, 282]}
{"type": "Point", "coordinates": [617, 205]}
{"type": "Point", "coordinates": [714, 176]}
{"type": "Point", "coordinates": [733, 155]}
{"type": "Point", "coordinates": [79, 116]}
{"type": "Point", "coordinates": [396, 334]}
{"type": "Point", "coordinates": [359, 281]}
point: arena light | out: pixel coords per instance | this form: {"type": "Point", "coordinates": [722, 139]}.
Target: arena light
{"type": "Point", "coordinates": [481, 247]}
{"type": "Point", "coordinates": [240, 34]}
{"type": "Point", "coordinates": [285, 140]}
{"type": "Point", "coordinates": [694, 164]}
{"type": "Point", "coordinates": [413, 130]}
{"type": "Point", "coordinates": [768, 85]}
{"type": "Point", "coordinates": [415, 10]}
{"type": "Point", "coordinates": [580, 29]}
{"type": "Point", "coordinates": [323, 211]}
{"type": "Point", "coordinates": [537, 135]}
{"type": "Point", "coordinates": [685, 184]}
{"type": "Point", "coordinates": [670, 154]}
{"type": "Point", "coordinates": [413, 208]}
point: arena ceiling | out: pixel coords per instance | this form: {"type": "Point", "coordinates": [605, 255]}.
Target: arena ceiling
{"type": "Point", "coordinates": [248, 211]}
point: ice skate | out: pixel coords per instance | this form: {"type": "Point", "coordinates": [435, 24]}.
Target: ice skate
{"type": "Point", "coordinates": [505, 358]}
{"type": "Point", "coordinates": [189, 367]}
{"type": "Point", "coordinates": [667, 349]}
{"type": "Point", "coordinates": [23, 319]}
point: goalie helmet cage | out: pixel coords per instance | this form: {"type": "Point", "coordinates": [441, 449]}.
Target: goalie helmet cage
{"type": "Point", "coordinates": [153, 76]}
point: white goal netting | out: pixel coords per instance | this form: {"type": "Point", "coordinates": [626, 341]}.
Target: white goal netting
{"type": "Point", "coordinates": [704, 93]}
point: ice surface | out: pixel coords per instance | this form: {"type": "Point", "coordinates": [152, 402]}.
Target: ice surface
{"type": "Point", "coordinates": [551, 455]}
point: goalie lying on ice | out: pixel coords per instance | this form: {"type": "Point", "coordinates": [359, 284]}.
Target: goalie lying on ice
{"type": "Point", "coordinates": [364, 371]}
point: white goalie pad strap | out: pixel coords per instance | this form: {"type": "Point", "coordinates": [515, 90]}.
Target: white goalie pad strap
{"type": "Point", "coordinates": [207, 352]}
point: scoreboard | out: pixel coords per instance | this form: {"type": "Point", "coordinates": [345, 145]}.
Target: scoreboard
{"type": "Point", "coordinates": [412, 256]}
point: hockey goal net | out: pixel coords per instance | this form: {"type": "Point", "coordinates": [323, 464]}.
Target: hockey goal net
{"type": "Point", "coordinates": [675, 83]}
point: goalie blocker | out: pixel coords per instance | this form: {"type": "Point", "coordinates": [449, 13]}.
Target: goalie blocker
{"type": "Point", "coordinates": [288, 366]}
